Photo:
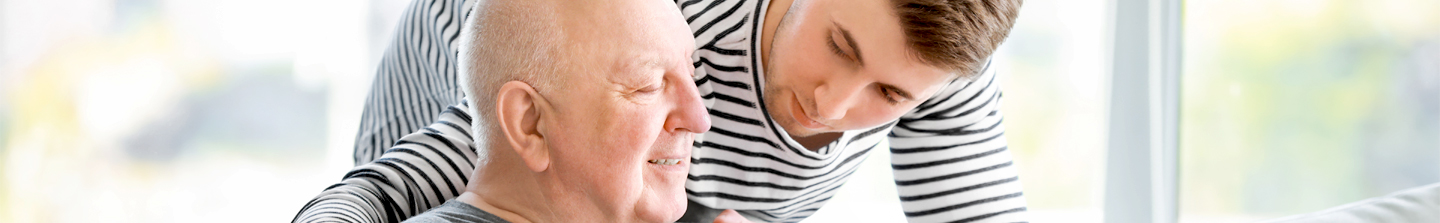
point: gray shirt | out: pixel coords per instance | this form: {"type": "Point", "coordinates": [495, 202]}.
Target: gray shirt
{"type": "Point", "coordinates": [456, 211]}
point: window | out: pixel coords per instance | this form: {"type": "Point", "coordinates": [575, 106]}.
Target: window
{"type": "Point", "coordinates": [1290, 107]}
{"type": "Point", "coordinates": [180, 111]}
{"type": "Point", "coordinates": [1053, 68]}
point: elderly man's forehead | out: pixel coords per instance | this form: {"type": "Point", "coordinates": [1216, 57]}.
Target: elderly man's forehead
{"type": "Point", "coordinates": [647, 35]}
{"type": "Point", "coordinates": [610, 19]}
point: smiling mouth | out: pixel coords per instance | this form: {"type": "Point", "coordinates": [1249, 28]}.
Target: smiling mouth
{"type": "Point", "coordinates": [666, 162]}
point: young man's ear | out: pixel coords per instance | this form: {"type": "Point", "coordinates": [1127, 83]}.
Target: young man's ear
{"type": "Point", "coordinates": [519, 107]}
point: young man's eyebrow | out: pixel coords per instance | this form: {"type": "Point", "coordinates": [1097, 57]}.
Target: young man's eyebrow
{"type": "Point", "coordinates": [845, 33]}
{"type": "Point", "coordinates": [901, 92]}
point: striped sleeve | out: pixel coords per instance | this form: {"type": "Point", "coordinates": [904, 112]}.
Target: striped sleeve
{"type": "Point", "coordinates": [950, 158]}
{"type": "Point", "coordinates": [422, 170]}
{"type": "Point", "coordinates": [415, 80]}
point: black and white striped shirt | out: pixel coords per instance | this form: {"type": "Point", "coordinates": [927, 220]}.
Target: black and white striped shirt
{"type": "Point", "coordinates": [421, 170]}
{"type": "Point", "coordinates": [949, 154]}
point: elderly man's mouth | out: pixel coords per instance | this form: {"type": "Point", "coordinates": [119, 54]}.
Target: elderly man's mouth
{"type": "Point", "coordinates": [666, 161]}
{"type": "Point", "coordinates": [671, 165]}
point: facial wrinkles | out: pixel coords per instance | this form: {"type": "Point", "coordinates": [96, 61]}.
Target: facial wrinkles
{"type": "Point", "coordinates": [578, 146]}
{"type": "Point", "coordinates": [644, 134]}
{"type": "Point", "coordinates": [642, 80]}
{"type": "Point", "coordinates": [626, 63]}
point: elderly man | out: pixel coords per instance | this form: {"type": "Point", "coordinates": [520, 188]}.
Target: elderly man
{"type": "Point", "coordinates": [584, 115]}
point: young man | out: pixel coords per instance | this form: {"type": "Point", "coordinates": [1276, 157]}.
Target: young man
{"type": "Point", "coordinates": [796, 111]}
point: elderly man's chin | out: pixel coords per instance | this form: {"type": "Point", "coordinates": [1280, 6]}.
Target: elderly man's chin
{"type": "Point", "coordinates": [664, 197]}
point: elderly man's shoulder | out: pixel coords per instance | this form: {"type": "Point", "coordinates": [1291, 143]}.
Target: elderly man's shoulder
{"type": "Point", "coordinates": [456, 211]}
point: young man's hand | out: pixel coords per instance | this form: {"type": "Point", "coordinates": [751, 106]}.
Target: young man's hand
{"type": "Point", "coordinates": [730, 216]}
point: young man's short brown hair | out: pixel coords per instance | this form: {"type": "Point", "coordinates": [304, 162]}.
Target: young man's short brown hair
{"type": "Point", "coordinates": [957, 35]}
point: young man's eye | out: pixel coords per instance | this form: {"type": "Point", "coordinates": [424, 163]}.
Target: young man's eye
{"type": "Point", "coordinates": [889, 95]}
{"type": "Point", "coordinates": [835, 48]}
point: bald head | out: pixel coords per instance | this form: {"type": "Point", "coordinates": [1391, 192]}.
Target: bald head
{"type": "Point", "coordinates": [586, 110]}
{"type": "Point", "coordinates": [540, 42]}
{"type": "Point", "coordinates": [507, 40]}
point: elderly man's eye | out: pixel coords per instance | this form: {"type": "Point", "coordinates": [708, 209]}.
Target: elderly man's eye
{"type": "Point", "coordinates": [652, 88]}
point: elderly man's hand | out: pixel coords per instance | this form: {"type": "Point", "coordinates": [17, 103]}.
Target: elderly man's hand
{"type": "Point", "coordinates": [730, 216]}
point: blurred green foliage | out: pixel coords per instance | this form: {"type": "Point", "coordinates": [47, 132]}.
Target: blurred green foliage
{"type": "Point", "coordinates": [1294, 106]}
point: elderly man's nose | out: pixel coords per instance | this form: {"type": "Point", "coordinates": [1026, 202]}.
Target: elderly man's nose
{"type": "Point", "coordinates": [689, 113]}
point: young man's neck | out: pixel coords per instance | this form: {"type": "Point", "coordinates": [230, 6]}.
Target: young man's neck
{"type": "Point", "coordinates": [774, 12]}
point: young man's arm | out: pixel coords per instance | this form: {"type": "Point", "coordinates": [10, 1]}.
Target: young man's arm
{"type": "Point", "coordinates": [950, 158]}
{"type": "Point", "coordinates": [422, 170]}
{"type": "Point", "coordinates": [416, 76]}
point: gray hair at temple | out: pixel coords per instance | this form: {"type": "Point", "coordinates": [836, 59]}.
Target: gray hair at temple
{"type": "Point", "coordinates": [503, 41]}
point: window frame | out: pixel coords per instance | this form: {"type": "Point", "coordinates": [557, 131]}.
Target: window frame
{"type": "Point", "coordinates": [1141, 182]}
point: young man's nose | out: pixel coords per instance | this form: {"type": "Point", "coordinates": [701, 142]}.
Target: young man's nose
{"type": "Point", "coordinates": [834, 98]}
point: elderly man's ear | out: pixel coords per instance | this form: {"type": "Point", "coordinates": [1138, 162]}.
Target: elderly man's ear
{"type": "Point", "coordinates": [520, 108]}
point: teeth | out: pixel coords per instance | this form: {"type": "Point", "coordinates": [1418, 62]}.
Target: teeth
{"type": "Point", "coordinates": [665, 161]}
